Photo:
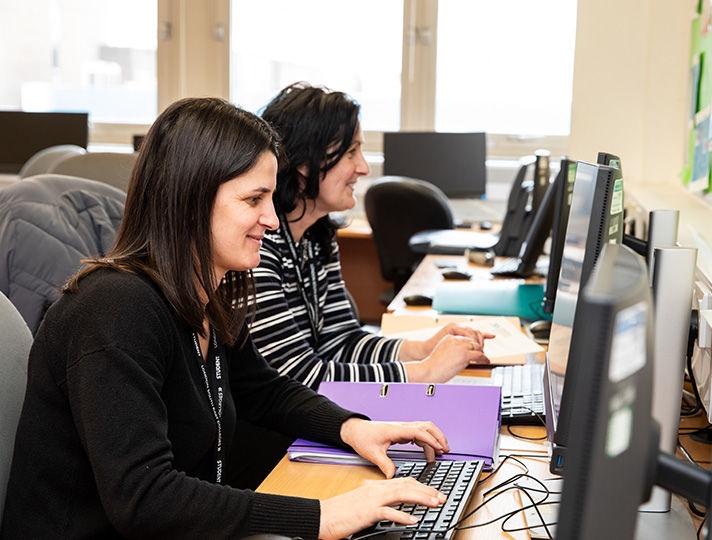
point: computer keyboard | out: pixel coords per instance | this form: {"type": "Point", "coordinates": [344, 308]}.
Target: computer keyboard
{"type": "Point", "coordinates": [522, 392]}
{"type": "Point", "coordinates": [455, 479]}
{"type": "Point", "coordinates": [506, 267]}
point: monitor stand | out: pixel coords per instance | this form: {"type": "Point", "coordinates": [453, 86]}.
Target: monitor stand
{"type": "Point", "coordinates": [677, 524]}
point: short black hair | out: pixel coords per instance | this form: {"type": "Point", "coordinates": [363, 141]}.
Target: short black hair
{"type": "Point", "coordinates": [317, 126]}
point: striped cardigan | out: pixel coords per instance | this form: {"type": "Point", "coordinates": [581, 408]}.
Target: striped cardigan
{"type": "Point", "coordinates": [283, 334]}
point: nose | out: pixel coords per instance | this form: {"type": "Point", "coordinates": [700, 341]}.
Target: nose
{"type": "Point", "coordinates": [362, 167]}
{"type": "Point", "coordinates": [269, 218]}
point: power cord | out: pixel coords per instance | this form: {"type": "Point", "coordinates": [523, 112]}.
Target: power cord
{"type": "Point", "coordinates": [691, 339]}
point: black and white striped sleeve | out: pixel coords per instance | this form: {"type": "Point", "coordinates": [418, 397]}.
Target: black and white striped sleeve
{"type": "Point", "coordinates": [282, 331]}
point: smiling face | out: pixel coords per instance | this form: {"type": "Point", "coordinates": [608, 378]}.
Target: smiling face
{"type": "Point", "coordinates": [336, 190]}
{"type": "Point", "coordinates": [242, 212]}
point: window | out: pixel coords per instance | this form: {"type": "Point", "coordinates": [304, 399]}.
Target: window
{"type": "Point", "coordinates": [72, 55]}
{"type": "Point", "coordinates": [352, 47]}
{"type": "Point", "coordinates": [505, 67]}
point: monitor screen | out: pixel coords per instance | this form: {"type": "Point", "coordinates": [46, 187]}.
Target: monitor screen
{"type": "Point", "coordinates": [562, 203]}
{"type": "Point", "coordinates": [23, 134]}
{"type": "Point", "coordinates": [454, 162]}
{"type": "Point", "coordinates": [595, 220]}
{"type": "Point", "coordinates": [613, 437]}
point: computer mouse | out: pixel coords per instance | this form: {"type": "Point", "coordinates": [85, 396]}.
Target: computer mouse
{"type": "Point", "coordinates": [456, 274]}
{"type": "Point", "coordinates": [418, 300]}
{"type": "Point", "coordinates": [485, 225]}
{"type": "Point", "coordinates": [540, 330]}
{"type": "Point", "coordinates": [482, 258]}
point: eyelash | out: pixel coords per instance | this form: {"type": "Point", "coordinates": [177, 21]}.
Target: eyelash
{"type": "Point", "coordinates": [254, 201]}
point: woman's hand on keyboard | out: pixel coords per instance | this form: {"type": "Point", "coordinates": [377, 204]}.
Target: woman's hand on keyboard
{"type": "Point", "coordinates": [372, 440]}
{"type": "Point", "coordinates": [356, 510]}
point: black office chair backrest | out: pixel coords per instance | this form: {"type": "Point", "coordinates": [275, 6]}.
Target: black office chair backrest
{"type": "Point", "coordinates": [397, 207]}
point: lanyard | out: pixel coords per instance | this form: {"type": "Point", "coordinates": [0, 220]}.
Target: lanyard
{"type": "Point", "coordinates": [217, 411]}
{"type": "Point", "coordinates": [313, 306]}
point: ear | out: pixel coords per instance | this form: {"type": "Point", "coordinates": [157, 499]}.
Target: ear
{"type": "Point", "coordinates": [303, 169]}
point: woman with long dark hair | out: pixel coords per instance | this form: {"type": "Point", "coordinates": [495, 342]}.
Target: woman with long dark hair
{"type": "Point", "coordinates": [140, 371]}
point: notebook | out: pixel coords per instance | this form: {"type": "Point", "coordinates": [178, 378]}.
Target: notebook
{"type": "Point", "coordinates": [469, 416]}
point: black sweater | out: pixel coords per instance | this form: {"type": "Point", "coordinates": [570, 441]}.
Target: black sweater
{"type": "Point", "coordinates": [117, 437]}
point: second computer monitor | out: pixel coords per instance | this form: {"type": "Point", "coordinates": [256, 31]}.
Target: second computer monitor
{"type": "Point", "coordinates": [454, 162]}
{"type": "Point", "coordinates": [595, 219]}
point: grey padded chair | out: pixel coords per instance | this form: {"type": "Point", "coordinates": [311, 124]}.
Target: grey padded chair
{"type": "Point", "coordinates": [113, 168]}
{"type": "Point", "coordinates": [15, 343]}
{"type": "Point", "coordinates": [43, 160]}
{"type": "Point", "coordinates": [397, 207]}
{"type": "Point", "coordinates": [48, 224]}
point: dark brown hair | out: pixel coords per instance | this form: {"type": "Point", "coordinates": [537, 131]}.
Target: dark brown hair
{"type": "Point", "coordinates": [317, 127]}
{"type": "Point", "coordinates": [193, 147]}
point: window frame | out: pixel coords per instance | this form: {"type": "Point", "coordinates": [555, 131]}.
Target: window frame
{"type": "Point", "coordinates": [193, 61]}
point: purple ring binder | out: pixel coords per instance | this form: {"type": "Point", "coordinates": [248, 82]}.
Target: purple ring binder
{"type": "Point", "coordinates": [469, 416]}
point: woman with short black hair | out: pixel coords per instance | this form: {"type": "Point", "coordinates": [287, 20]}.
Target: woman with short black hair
{"type": "Point", "coordinates": [304, 325]}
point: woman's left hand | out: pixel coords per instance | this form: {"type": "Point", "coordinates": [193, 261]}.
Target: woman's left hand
{"type": "Point", "coordinates": [371, 439]}
{"type": "Point", "coordinates": [418, 350]}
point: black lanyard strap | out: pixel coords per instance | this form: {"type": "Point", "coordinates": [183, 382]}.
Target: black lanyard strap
{"type": "Point", "coordinates": [311, 306]}
{"type": "Point", "coordinates": [217, 409]}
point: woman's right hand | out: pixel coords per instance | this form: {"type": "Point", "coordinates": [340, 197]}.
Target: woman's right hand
{"type": "Point", "coordinates": [451, 355]}
{"type": "Point", "coordinates": [356, 510]}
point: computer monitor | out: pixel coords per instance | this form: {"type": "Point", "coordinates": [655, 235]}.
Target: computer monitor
{"type": "Point", "coordinates": [542, 172]}
{"type": "Point", "coordinates": [613, 452]}
{"type": "Point", "coordinates": [454, 162]}
{"type": "Point", "coordinates": [595, 220]}
{"type": "Point", "coordinates": [553, 204]}
{"type": "Point", "coordinates": [610, 160]}
{"type": "Point", "coordinates": [562, 203]}
{"type": "Point", "coordinates": [23, 134]}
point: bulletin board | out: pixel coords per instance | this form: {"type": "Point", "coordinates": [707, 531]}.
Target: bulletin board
{"type": "Point", "coordinates": [696, 174]}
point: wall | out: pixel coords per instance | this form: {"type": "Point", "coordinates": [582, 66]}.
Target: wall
{"type": "Point", "coordinates": [630, 91]}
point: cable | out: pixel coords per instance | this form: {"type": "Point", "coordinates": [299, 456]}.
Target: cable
{"type": "Point", "coordinates": [691, 338]}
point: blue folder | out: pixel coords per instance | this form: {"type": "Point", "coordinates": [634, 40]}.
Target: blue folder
{"type": "Point", "coordinates": [506, 297]}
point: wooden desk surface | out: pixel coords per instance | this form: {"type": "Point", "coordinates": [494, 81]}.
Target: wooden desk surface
{"type": "Point", "coordinates": [323, 481]}
{"type": "Point", "coordinates": [428, 275]}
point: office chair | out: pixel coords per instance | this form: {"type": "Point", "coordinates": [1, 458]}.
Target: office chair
{"type": "Point", "coordinates": [113, 168]}
{"type": "Point", "coordinates": [48, 225]}
{"type": "Point", "coordinates": [15, 343]}
{"type": "Point", "coordinates": [397, 207]}
{"type": "Point", "coordinates": [42, 161]}
{"type": "Point", "coordinates": [506, 243]}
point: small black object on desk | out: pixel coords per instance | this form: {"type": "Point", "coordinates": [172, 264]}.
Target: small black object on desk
{"type": "Point", "coordinates": [418, 300]}
{"type": "Point", "coordinates": [456, 275]}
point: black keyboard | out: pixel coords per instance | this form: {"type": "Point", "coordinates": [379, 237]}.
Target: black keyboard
{"type": "Point", "coordinates": [522, 392]}
{"type": "Point", "coordinates": [455, 479]}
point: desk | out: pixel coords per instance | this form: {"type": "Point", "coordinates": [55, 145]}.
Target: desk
{"type": "Point", "coordinates": [323, 481]}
